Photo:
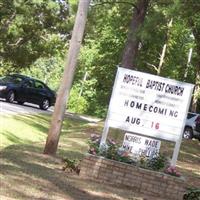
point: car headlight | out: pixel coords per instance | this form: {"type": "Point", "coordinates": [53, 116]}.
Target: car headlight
{"type": "Point", "coordinates": [3, 88]}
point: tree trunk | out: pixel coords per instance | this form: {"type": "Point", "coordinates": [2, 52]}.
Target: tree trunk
{"type": "Point", "coordinates": [64, 90]}
{"type": "Point", "coordinates": [188, 63]}
{"type": "Point", "coordinates": [131, 47]}
{"type": "Point", "coordinates": [196, 94]}
{"type": "Point", "coordinates": [196, 89]}
{"type": "Point", "coordinates": [162, 57]}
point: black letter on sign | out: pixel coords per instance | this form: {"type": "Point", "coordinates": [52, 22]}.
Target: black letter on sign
{"type": "Point", "coordinates": [126, 102]}
{"type": "Point", "coordinates": [128, 119]}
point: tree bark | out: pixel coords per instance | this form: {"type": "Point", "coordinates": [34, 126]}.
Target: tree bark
{"type": "Point", "coordinates": [188, 63]}
{"type": "Point", "coordinates": [64, 90]}
{"type": "Point", "coordinates": [132, 43]}
{"type": "Point", "coordinates": [196, 93]}
{"type": "Point", "coordinates": [162, 57]}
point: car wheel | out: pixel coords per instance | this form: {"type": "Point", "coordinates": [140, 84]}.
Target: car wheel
{"type": "Point", "coordinates": [20, 102]}
{"type": "Point", "coordinates": [10, 97]}
{"type": "Point", "coordinates": [45, 104]}
{"type": "Point", "coordinates": [188, 133]}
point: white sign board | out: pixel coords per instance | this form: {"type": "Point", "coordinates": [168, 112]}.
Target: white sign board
{"type": "Point", "coordinates": [149, 105]}
{"type": "Point", "coordinates": [140, 145]}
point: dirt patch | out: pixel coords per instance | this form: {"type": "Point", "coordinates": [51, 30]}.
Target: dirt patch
{"type": "Point", "coordinates": [27, 174]}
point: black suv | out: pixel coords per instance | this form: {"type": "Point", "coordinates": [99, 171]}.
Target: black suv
{"type": "Point", "coordinates": [192, 126]}
{"type": "Point", "coordinates": [22, 89]}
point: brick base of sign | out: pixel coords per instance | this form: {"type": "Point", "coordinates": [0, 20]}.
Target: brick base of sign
{"type": "Point", "coordinates": [140, 180]}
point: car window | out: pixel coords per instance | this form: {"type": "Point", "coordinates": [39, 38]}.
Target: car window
{"type": "Point", "coordinates": [11, 79]}
{"type": "Point", "coordinates": [28, 84]}
{"type": "Point", "coordinates": [190, 115]}
{"type": "Point", "coordinates": [39, 85]}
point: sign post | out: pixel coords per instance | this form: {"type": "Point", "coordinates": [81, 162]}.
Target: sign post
{"type": "Point", "coordinates": [149, 105]}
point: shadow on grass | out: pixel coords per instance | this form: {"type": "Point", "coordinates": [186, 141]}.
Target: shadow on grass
{"type": "Point", "coordinates": [13, 138]}
{"type": "Point", "coordinates": [38, 122]}
{"type": "Point", "coordinates": [28, 174]}
{"type": "Point", "coordinates": [25, 165]}
{"type": "Point", "coordinates": [192, 147]}
{"type": "Point", "coordinates": [24, 129]}
{"type": "Point", "coordinates": [42, 123]}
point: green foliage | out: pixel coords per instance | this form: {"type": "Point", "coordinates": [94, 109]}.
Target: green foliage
{"type": "Point", "coordinates": [157, 163]}
{"type": "Point", "coordinates": [94, 146]}
{"type": "Point", "coordinates": [104, 41]}
{"type": "Point", "coordinates": [77, 103]}
{"type": "Point", "coordinates": [114, 153]}
{"type": "Point", "coordinates": [32, 32]}
{"type": "Point", "coordinates": [71, 165]}
{"type": "Point", "coordinates": [189, 11]}
{"type": "Point", "coordinates": [32, 29]}
{"type": "Point", "coordinates": [111, 150]}
{"type": "Point", "coordinates": [48, 70]}
{"type": "Point", "coordinates": [192, 194]}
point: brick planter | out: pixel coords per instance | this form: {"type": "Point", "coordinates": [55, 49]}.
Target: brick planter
{"type": "Point", "coordinates": [140, 180]}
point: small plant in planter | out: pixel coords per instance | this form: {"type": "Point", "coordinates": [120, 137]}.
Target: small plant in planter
{"type": "Point", "coordinates": [172, 171]}
{"type": "Point", "coordinates": [114, 151]}
{"type": "Point", "coordinates": [111, 150]}
{"type": "Point", "coordinates": [157, 163]}
{"type": "Point", "coordinates": [94, 144]}
{"type": "Point", "coordinates": [192, 194]}
{"type": "Point", "coordinates": [71, 165]}
{"type": "Point", "coordinates": [142, 161]}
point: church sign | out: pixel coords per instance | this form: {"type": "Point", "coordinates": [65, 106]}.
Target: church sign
{"type": "Point", "coordinates": [148, 105]}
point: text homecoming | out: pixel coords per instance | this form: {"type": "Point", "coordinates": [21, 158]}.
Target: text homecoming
{"type": "Point", "coordinates": [154, 85]}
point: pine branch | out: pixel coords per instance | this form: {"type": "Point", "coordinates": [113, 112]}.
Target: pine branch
{"type": "Point", "coordinates": [115, 2]}
{"type": "Point", "coordinates": [156, 68]}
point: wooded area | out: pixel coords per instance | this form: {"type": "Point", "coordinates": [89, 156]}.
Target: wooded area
{"type": "Point", "coordinates": [158, 37]}
{"type": "Point", "coordinates": [76, 48]}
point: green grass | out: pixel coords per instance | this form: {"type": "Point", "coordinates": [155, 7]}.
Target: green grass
{"type": "Point", "coordinates": [22, 129]}
{"type": "Point", "coordinates": [29, 129]}
{"type": "Point", "coordinates": [26, 173]}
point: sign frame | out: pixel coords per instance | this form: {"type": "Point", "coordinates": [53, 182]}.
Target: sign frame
{"type": "Point", "coordinates": [177, 141]}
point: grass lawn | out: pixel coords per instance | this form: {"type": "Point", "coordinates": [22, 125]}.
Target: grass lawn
{"type": "Point", "coordinates": [25, 173]}
{"type": "Point", "coordinates": [28, 129]}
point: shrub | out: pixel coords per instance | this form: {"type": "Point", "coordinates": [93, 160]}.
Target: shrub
{"type": "Point", "coordinates": [77, 103]}
{"type": "Point", "coordinates": [94, 144]}
{"type": "Point", "coordinates": [71, 165]}
{"type": "Point", "coordinates": [111, 150]}
{"type": "Point", "coordinates": [114, 151]}
{"type": "Point", "coordinates": [157, 163]}
{"type": "Point", "coordinates": [192, 194]}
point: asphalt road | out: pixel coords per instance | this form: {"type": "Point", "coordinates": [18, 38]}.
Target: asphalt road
{"type": "Point", "coordinates": [14, 108]}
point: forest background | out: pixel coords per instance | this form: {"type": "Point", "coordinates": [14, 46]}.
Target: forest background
{"type": "Point", "coordinates": [35, 35]}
